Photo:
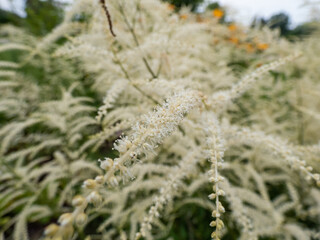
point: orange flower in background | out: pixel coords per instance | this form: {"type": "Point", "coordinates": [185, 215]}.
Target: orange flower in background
{"type": "Point", "coordinates": [171, 7]}
{"type": "Point", "coordinates": [262, 46]}
{"type": "Point", "coordinates": [234, 40]}
{"type": "Point", "coordinates": [232, 27]}
{"type": "Point", "coordinates": [216, 41]}
{"type": "Point", "coordinates": [249, 47]}
{"type": "Point", "coordinates": [199, 19]}
{"type": "Point", "coordinates": [217, 13]}
{"type": "Point", "coordinates": [184, 16]}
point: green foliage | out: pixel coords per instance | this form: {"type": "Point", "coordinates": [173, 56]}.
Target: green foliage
{"type": "Point", "coordinates": [41, 16]}
{"type": "Point", "coordinates": [193, 4]}
{"type": "Point", "coordinates": [213, 6]}
{"type": "Point", "coordinates": [9, 18]}
{"type": "Point", "coordinates": [281, 21]}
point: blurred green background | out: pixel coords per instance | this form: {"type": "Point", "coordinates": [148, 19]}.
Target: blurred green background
{"type": "Point", "coordinates": [41, 16]}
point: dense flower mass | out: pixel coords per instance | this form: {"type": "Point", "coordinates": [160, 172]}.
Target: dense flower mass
{"type": "Point", "coordinates": [159, 124]}
{"type": "Point", "coordinates": [139, 120]}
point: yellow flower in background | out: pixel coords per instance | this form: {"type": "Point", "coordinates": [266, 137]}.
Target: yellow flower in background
{"type": "Point", "coordinates": [232, 27]}
{"type": "Point", "coordinates": [262, 46]}
{"type": "Point", "coordinates": [217, 13]}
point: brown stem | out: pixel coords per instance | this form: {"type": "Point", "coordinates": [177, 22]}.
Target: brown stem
{"type": "Point", "coordinates": [129, 79]}
{"type": "Point", "coordinates": [104, 6]}
{"type": "Point", "coordinates": [300, 114]}
{"type": "Point", "coordinates": [145, 61]}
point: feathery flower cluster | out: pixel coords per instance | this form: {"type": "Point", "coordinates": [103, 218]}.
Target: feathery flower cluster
{"type": "Point", "coordinates": [277, 145]}
{"type": "Point", "coordinates": [153, 128]}
{"type": "Point", "coordinates": [249, 79]}
{"type": "Point", "coordinates": [157, 125]}
{"type": "Point", "coordinates": [239, 212]}
{"type": "Point", "coordinates": [219, 100]}
{"type": "Point", "coordinates": [150, 131]}
{"type": "Point", "coordinates": [166, 193]}
{"type": "Point", "coordinates": [111, 96]}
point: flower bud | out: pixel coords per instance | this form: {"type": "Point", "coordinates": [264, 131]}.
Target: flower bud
{"type": "Point", "coordinates": [212, 196]}
{"type": "Point", "coordinates": [67, 232]}
{"type": "Point", "coordinates": [220, 224]}
{"type": "Point", "coordinates": [65, 219]}
{"type": "Point", "coordinates": [221, 193]}
{"type": "Point", "coordinates": [78, 201]}
{"type": "Point", "coordinates": [138, 235]}
{"type": "Point", "coordinates": [220, 178]}
{"type": "Point", "coordinates": [81, 219]}
{"type": "Point", "coordinates": [106, 164]}
{"type": "Point", "coordinates": [89, 184]}
{"type": "Point", "coordinates": [94, 198]}
{"type": "Point", "coordinates": [213, 224]}
{"type": "Point", "coordinates": [213, 179]}
{"type": "Point", "coordinates": [214, 236]}
{"type": "Point", "coordinates": [309, 168]}
{"type": "Point", "coordinates": [51, 230]}
{"type": "Point", "coordinates": [113, 181]}
{"type": "Point", "coordinates": [99, 179]}
{"type": "Point", "coordinates": [215, 214]}
{"type": "Point", "coordinates": [221, 208]}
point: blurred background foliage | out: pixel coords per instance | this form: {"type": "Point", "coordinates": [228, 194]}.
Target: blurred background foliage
{"type": "Point", "coordinates": [43, 15]}
{"type": "Point", "coordinates": [193, 4]}
{"type": "Point", "coordinates": [281, 21]}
